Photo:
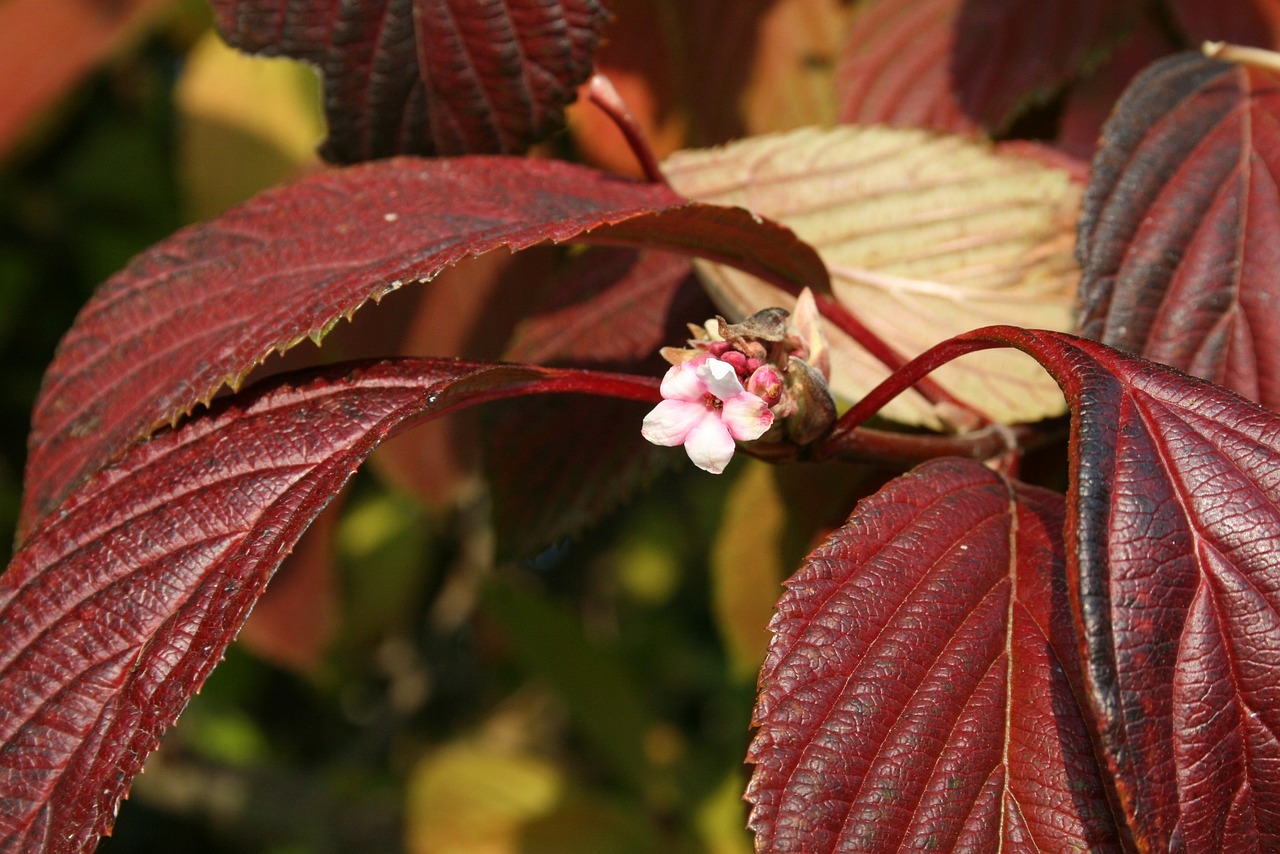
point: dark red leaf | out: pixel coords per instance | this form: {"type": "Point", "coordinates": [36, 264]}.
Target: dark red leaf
{"type": "Point", "coordinates": [203, 307]}
{"type": "Point", "coordinates": [613, 307]}
{"type": "Point", "coordinates": [612, 310]}
{"type": "Point", "coordinates": [115, 611]}
{"type": "Point", "coordinates": [1245, 22]}
{"type": "Point", "coordinates": [1174, 550]}
{"type": "Point", "coordinates": [1090, 100]}
{"type": "Point", "coordinates": [959, 65]}
{"type": "Point", "coordinates": [920, 687]}
{"type": "Point", "coordinates": [429, 76]}
{"type": "Point", "coordinates": [1173, 560]}
{"type": "Point", "coordinates": [1177, 237]}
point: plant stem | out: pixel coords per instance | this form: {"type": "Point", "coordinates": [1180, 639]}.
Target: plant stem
{"type": "Point", "coordinates": [602, 93]}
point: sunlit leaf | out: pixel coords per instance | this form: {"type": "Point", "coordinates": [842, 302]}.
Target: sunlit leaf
{"type": "Point", "coordinates": [115, 611]}
{"type": "Point", "coordinates": [1177, 237]}
{"type": "Point", "coordinates": [938, 229]}
{"type": "Point", "coordinates": [429, 76]}
{"type": "Point", "coordinates": [1173, 522]}
{"type": "Point", "coordinates": [920, 689]}
{"type": "Point", "coordinates": [203, 307]}
{"type": "Point", "coordinates": [792, 83]}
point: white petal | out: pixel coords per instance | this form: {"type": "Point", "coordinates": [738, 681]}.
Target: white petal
{"type": "Point", "coordinates": [670, 421]}
{"type": "Point", "coordinates": [709, 444]}
{"type": "Point", "coordinates": [746, 417]}
{"type": "Point", "coordinates": [681, 382]}
{"type": "Point", "coordinates": [720, 378]}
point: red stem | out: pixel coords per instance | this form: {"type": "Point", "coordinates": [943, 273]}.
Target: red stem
{"type": "Point", "coordinates": [900, 380]}
{"type": "Point", "coordinates": [848, 323]}
{"type": "Point", "coordinates": [602, 93]}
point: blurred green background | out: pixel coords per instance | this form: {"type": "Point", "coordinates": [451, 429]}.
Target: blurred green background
{"type": "Point", "coordinates": [594, 697]}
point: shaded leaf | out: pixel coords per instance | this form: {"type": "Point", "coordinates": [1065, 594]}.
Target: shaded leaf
{"type": "Point", "coordinates": [961, 65]}
{"type": "Point", "coordinates": [116, 610]}
{"type": "Point", "coordinates": [940, 229]}
{"type": "Point", "coordinates": [919, 690]}
{"type": "Point", "coordinates": [1172, 526]}
{"type": "Point", "coordinates": [468, 312]}
{"type": "Point", "coordinates": [35, 73]}
{"type": "Point", "coordinates": [429, 76]}
{"type": "Point", "coordinates": [690, 59]}
{"type": "Point", "coordinates": [1177, 233]}
{"type": "Point", "coordinates": [1247, 22]}
{"type": "Point", "coordinates": [611, 310]}
{"type": "Point", "coordinates": [1091, 99]}
{"type": "Point", "coordinates": [201, 308]}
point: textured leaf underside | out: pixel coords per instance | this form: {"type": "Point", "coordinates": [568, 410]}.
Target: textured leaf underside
{"type": "Point", "coordinates": [205, 306]}
{"type": "Point", "coordinates": [115, 611]}
{"type": "Point", "coordinates": [429, 76]}
{"type": "Point", "coordinates": [1178, 230]}
{"type": "Point", "coordinates": [918, 691]}
{"type": "Point", "coordinates": [938, 228]}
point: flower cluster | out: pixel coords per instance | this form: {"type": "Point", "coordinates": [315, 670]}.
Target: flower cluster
{"type": "Point", "coordinates": [706, 408]}
{"type": "Point", "coordinates": [737, 382]}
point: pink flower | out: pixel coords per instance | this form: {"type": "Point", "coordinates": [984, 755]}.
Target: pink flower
{"type": "Point", "coordinates": [706, 409]}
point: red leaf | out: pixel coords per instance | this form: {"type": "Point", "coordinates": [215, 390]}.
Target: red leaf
{"type": "Point", "coordinates": [957, 65]}
{"type": "Point", "coordinates": [1090, 101]}
{"type": "Point", "coordinates": [613, 310]}
{"type": "Point", "coordinates": [1177, 234]}
{"type": "Point", "coordinates": [1173, 558]}
{"type": "Point", "coordinates": [203, 307]}
{"type": "Point", "coordinates": [1244, 22]}
{"type": "Point", "coordinates": [920, 687]}
{"type": "Point", "coordinates": [118, 607]}
{"type": "Point", "coordinates": [429, 76]}
{"type": "Point", "coordinates": [1175, 561]}
{"type": "Point", "coordinates": [895, 70]}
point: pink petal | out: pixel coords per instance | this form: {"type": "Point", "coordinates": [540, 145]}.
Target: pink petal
{"type": "Point", "coordinates": [709, 444]}
{"type": "Point", "coordinates": [746, 416]}
{"type": "Point", "coordinates": [720, 378]}
{"type": "Point", "coordinates": [681, 382]}
{"type": "Point", "coordinates": [670, 421]}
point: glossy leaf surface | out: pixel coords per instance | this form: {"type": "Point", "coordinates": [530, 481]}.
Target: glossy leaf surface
{"type": "Point", "coordinates": [203, 307]}
{"type": "Point", "coordinates": [919, 689]}
{"type": "Point", "coordinates": [942, 229]}
{"type": "Point", "coordinates": [1174, 549]}
{"type": "Point", "coordinates": [1178, 229]}
{"type": "Point", "coordinates": [116, 610]}
{"type": "Point", "coordinates": [429, 76]}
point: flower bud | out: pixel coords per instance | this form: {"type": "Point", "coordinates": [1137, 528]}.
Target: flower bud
{"type": "Point", "coordinates": [766, 383]}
